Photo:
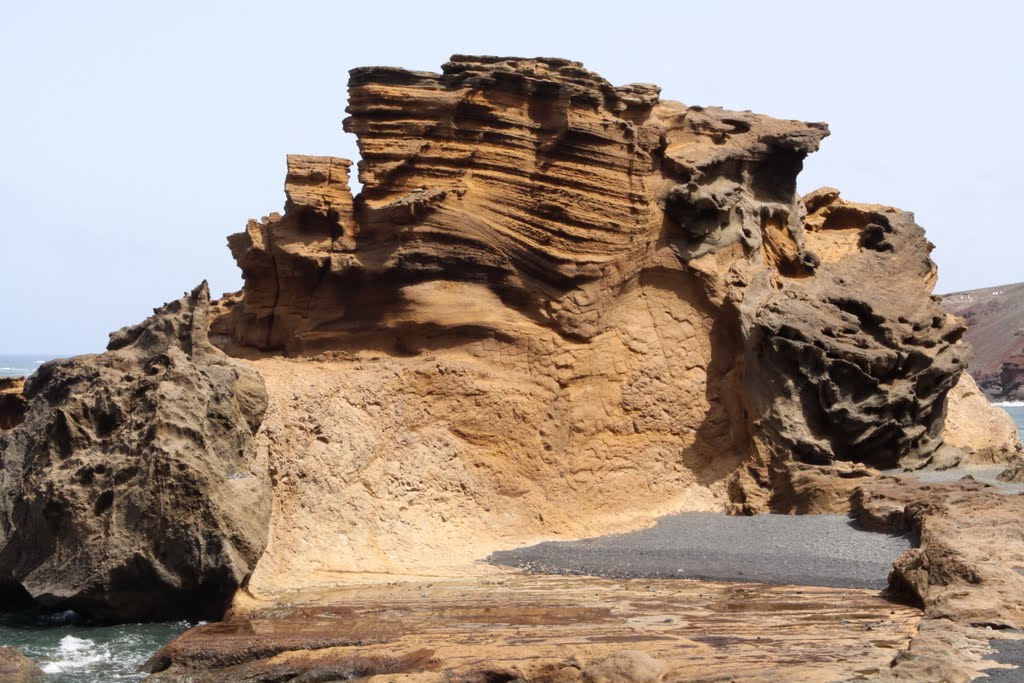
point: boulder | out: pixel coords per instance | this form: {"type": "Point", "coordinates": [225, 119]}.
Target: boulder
{"type": "Point", "coordinates": [627, 666]}
{"type": "Point", "coordinates": [984, 433]}
{"type": "Point", "coordinates": [17, 668]}
{"type": "Point", "coordinates": [132, 490]}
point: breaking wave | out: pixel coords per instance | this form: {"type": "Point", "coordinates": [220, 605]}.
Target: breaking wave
{"type": "Point", "coordinates": [70, 650]}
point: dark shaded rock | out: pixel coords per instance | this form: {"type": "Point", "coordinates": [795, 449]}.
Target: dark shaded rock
{"type": "Point", "coordinates": [12, 402]}
{"type": "Point", "coordinates": [1011, 378]}
{"type": "Point", "coordinates": [855, 362]}
{"type": "Point", "coordinates": [132, 491]}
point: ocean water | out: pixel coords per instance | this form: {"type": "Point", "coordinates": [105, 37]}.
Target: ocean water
{"type": "Point", "coordinates": [22, 365]}
{"type": "Point", "coordinates": [70, 650]}
{"type": "Point", "coordinates": [1016, 411]}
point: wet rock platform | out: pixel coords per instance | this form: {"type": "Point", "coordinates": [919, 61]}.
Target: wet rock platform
{"type": "Point", "coordinates": [512, 625]}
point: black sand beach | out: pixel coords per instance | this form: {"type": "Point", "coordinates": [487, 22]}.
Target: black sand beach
{"type": "Point", "coordinates": [809, 550]}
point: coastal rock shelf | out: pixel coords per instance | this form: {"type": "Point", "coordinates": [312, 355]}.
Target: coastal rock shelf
{"type": "Point", "coordinates": [556, 309]}
{"type": "Point", "coordinates": [551, 630]}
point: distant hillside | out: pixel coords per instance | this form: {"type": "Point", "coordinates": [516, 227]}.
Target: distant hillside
{"type": "Point", "coordinates": [995, 327]}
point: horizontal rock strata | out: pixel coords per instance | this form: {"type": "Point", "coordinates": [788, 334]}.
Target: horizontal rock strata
{"type": "Point", "coordinates": [558, 306]}
{"type": "Point", "coordinates": [550, 630]}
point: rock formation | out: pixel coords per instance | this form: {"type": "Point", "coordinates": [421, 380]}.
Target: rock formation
{"type": "Point", "coordinates": [549, 629]}
{"type": "Point", "coordinates": [12, 401]}
{"type": "Point", "coordinates": [132, 490]}
{"type": "Point", "coordinates": [995, 329]}
{"type": "Point", "coordinates": [560, 305]}
{"type": "Point", "coordinates": [982, 433]}
{"type": "Point", "coordinates": [17, 668]}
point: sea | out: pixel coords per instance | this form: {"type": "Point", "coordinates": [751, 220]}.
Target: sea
{"type": "Point", "coordinates": [71, 650]}
{"type": "Point", "coordinates": [1016, 411]}
{"type": "Point", "coordinates": [22, 365]}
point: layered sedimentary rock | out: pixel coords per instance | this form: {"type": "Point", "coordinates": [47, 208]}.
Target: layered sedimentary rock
{"type": "Point", "coordinates": [560, 306]}
{"type": "Point", "coordinates": [550, 629]}
{"type": "Point", "coordinates": [995, 328]}
{"type": "Point", "coordinates": [132, 490]}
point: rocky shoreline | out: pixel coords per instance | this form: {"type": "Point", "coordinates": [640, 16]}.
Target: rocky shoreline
{"type": "Point", "coordinates": [557, 309]}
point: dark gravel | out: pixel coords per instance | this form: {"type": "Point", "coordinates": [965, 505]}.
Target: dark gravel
{"type": "Point", "coordinates": [1006, 652]}
{"type": "Point", "coordinates": [807, 550]}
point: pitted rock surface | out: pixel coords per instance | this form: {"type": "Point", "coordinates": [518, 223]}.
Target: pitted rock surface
{"type": "Point", "coordinates": [559, 306]}
{"type": "Point", "coordinates": [132, 490]}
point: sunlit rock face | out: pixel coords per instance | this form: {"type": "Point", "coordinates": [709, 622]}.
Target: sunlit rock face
{"type": "Point", "coordinates": [559, 305]}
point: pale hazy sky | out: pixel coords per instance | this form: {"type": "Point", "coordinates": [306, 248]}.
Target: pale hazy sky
{"type": "Point", "coordinates": [135, 136]}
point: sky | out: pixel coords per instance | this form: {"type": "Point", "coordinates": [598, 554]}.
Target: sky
{"type": "Point", "coordinates": [135, 136]}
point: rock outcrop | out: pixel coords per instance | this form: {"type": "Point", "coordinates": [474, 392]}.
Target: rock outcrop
{"type": "Point", "coordinates": [132, 490]}
{"type": "Point", "coordinates": [550, 629]}
{"type": "Point", "coordinates": [983, 434]}
{"type": "Point", "coordinates": [12, 401]}
{"type": "Point", "coordinates": [15, 667]}
{"type": "Point", "coordinates": [995, 329]}
{"type": "Point", "coordinates": [561, 298]}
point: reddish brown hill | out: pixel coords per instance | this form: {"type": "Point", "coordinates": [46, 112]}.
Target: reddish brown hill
{"type": "Point", "coordinates": [995, 328]}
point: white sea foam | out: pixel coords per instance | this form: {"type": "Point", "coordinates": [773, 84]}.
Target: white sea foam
{"type": "Point", "coordinates": [1010, 404]}
{"type": "Point", "coordinates": [75, 653]}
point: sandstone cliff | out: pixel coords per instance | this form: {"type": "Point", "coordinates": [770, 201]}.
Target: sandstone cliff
{"type": "Point", "coordinates": [131, 491]}
{"type": "Point", "coordinates": [995, 329]}
{"type": "Point", "coordinates": [558, 305]}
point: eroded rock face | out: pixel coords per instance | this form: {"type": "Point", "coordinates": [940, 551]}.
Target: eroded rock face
{"type": "Point", "coordinates": [12, 401]}
{"type": "Point", "coordinates": [132, 491]}
{"type": "Point", "coordinates": [855, 362]}
{"type": "Point", "coordinates": [573, 305]}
